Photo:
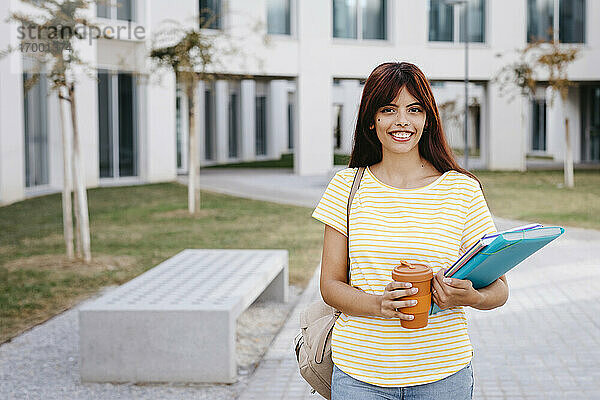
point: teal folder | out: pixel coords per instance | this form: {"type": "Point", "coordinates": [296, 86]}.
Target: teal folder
{"type": "Point", "coordinates": [505, 252]}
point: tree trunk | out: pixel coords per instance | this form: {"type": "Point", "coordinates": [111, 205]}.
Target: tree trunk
{"type": "Point", "coordinates": [80, 189]}
{"type": "Point", "coordinates": [193, 162]}
{"type": "Point", "coordinates": [67, 188]}
{"type": "Point", "coordinates": [569, 179]}
{"type": "Point", "coordinates": [78, 251]}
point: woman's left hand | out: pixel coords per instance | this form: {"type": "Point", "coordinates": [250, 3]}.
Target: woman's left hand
{"type": "Point", "coordinates": [452, 292]}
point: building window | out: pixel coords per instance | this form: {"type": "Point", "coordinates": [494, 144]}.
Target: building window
{"type": "Point", "coordinates": [538, 125]}
{"type": "Point", "coordinates": [182, 129]}
{"type": "Point", "coordinates": [233, 125]}
{"type": "Point", "coordinates": [35, 115]}
{"type": "Point", "coordinates": [290, 111]}
{"type": "Point", "coordinates": [447, 26]}
{"type": "Point", "coordinates": [441, 21]}
{"type": "Point", "coordinates": [369, 15]}
{"type": "Point", "coordinates": [178, 130]}
{"type": "Point", "coordinates": [572, 21]}
{"type": "Point", "coordinates": [278, 17]}
{"type": "Point", "coordinates": [209, 131]}
{"type": "Point", "coordinates": [103, 10]}
{"type": "Point", "coordinates": [119, 9]}
{"type": "Point", "coordinates": [117, 124]}
{"type": "Point", "coordinates": [590, 123]}
{"type": "Point", "coordinates": [344, 19]}
{"type": "Point", "coordinates": [476, 21]}
{"type": "Point", "coordinates": [261, 125]}
{"type": "Point", "coordinates": [210, 14]}
{"type": "Point", "coordinates": [373, 19]}
{"type": "Point", "coordinates": [541, 19]}
{"type": "Point", "coordinates": [337, 128]}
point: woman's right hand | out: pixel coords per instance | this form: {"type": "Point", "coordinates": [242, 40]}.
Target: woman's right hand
{"type": "Point", "coordinates": [390, 302]}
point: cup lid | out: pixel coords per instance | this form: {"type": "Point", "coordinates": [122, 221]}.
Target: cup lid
{"type": "Point", "coordinates": [412, 272]}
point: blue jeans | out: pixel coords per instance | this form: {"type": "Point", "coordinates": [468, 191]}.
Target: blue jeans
{"type": "Point", "coordinates": [458, 386]}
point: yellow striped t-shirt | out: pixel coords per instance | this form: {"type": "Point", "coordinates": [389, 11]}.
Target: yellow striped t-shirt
{"type": "Point", "coordinates": [433, 225]}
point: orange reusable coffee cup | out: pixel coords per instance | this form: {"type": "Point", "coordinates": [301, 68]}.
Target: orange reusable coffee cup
{"type": "Point", "coordinates": [420, 276]}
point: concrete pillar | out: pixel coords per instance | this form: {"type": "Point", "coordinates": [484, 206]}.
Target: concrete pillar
{"type": "Point", "coordinates": [12, 139]}
{"type": "Point", "coordinates": [313, 146]}
{"type": "Point", "coordinates": [222, 120]}
{"type": "Point", "coordinates": [248, 119]}
{"type": "Point", "coordinates": [351, 101]}
{"type": "Point", "coordinates": [160, 133]}
{"type": "Point", "coordinates": [277, 125]}
{"type": "Point", "coordinates": [555, 141]}
{"type": "Point", "coordinates": [506, 144]}
{"type": "Point", "coordinates": [86, 93]}
{"type": "Point", "coordinates": [574, 107]}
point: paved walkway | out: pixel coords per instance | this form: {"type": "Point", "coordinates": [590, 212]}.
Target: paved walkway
{"type": "Point", "coordinates": [544, 343]}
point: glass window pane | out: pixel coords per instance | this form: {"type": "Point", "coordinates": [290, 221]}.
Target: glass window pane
{"type": "Point", "coordinates": [26, 129]}
{"type": "Point", "coordinates": [105, 142]}
{"type": "Point", "coordinates": [210, 14]}
{"type": "Point", "coordinates": [208, 126]}
{"type": "Point", "coordinates": [178, 130]}
{"type": "Point", "coordinates": [125, 10]}
{"type": "Point", "coordinates": [538, 125]}
{"type": "Point", "coordinates": [41, 133]}
{"type": "Point", "coordinates": [441, 21]}
{"type": "Point", "coordinates": [36, 131]}
{"type": "Point", "coordinates": [373, 19]}
{"type": "Point", "coordinates": [337, 127]}
{"type": "Point", "coordinates": [593, 123]}
{"type": "Point", "coordinates": [344, 19]}
{"type": "Point", "coordinates": [476, 21]}
{"type": "Point", "coordinates": [233, 125]}
{"type": "Point", "coordinates": [572, 21]}
{"type": "Point", "coordinates": [103, 9]}
{"type": "Point", "coordinates": [540, 16]}
{"type": "Point", "coordinates": [127, 117]}
{"type": "Point", "coordinates": [261, 125]}
{"type": "Point", "coordinates": [278, 17]}
{"type": "Point", "coordinates": [290, 111]}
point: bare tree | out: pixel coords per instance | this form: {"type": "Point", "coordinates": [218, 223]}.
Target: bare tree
{"type": "Point", "coordinates": [58, 27]}
{"type": "Point", "coordinates": [191, 54]}
{"type": "Point", "coordinates": [551, 60]}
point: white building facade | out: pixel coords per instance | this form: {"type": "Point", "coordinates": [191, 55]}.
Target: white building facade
{"type": "Point", "coordinates": [297, 91]}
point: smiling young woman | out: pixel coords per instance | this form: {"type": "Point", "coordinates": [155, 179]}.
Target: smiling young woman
{"type": "Point", "coordinates": [414, 204]}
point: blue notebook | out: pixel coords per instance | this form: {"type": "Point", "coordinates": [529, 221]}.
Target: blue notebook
{"type": "Point", "coordinates": [500, 254]}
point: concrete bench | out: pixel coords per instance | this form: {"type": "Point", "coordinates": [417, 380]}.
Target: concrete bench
{"type": "Point", "coordinates": [177, 321]}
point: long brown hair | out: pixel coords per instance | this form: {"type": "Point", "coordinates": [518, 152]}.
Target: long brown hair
{"type": "Point", "coordinates": [381, 88]}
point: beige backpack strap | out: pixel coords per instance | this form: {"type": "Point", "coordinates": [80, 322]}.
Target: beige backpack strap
{"type": "Point", "coordinates": [355, 186]}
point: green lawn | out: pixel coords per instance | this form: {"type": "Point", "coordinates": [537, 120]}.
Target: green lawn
{"type": "Point", "coordinates": [133, 229]}
{"type": "Point", "coordinates": [539, 196]}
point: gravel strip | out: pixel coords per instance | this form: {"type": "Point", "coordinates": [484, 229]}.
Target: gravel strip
{"type": "Point", "coordinates": [43, 363]}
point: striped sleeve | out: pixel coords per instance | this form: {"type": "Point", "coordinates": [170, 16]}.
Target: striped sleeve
{"type": "Point", "coordinates": [332, 207]}
{"type": "Point", "coordinates": [478, 221]}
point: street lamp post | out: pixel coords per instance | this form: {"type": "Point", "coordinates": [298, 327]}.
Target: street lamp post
{"type": "Point", "coordinates": [466, 122]}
